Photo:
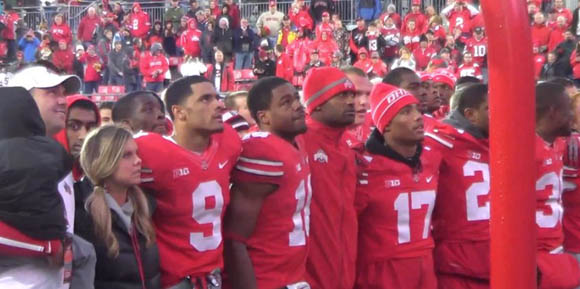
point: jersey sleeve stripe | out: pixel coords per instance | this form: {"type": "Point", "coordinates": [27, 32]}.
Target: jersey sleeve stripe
{"type": "Point", "coordinates": [440, 140]}
{"type": "Point", "coordinates": [261, 162]}
{"type": "Point", "coordinates": [363, 182]}
{"type": "Point", "coordinates": [147, 180]}
{"type": "Point", "coordinates": [259, 172]}
{"type": "Point", "coordinates": [21, 245]}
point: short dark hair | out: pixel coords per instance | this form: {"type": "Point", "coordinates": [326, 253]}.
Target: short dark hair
{"type": "Point", "coordinates": [260, 95]}
{"type": "Point", "coordinates": [124, 108]}
{"type": "Point", "coordinates": [353, 70]}
{"type": "Point", "coordinates": [548, 95]}
{"type": "Point", "coordinates": [230, 100]}
{"type": "Point", "coordinates": [467, 79]}
{"type": "Point", "coordinates": [395, 76]}
{"type": "Point", "coordinates": [279, 48]}
{"type": "Point", "coordinates": [179, 90]}
{"type": "Point", "coordinates": [472, 96]}
{"type": "Point", "coordinates": [107, 105]}
{"type": "Point", "coordinates": [566, 82]}
{"type": "Point", "coordinates": [83, 104]}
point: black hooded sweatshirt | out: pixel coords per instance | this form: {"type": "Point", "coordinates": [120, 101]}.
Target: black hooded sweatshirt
{"type": "Point", "coordinates": [31, 165]}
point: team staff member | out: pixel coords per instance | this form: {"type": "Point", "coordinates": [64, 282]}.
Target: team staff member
{"type": "Point", "coordinates": [329, 99]}
{"type": "Point", "coordinates": [395, 197]}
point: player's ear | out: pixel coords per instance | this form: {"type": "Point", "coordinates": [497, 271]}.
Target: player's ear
{"type": "Point", "coordinates": [178, 112]}
{"type": "Point", "coordinates": [469, 114]}
{"type": "Point", "coordinates": [263, 117]}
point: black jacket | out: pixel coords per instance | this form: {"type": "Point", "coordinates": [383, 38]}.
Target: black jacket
{"type": "Point", "coordinates": [244, 40]}
{"type": "Point", "coordinates": [264, 68]}
{"type": "Point", "coordinates": [121, 272]}
{"type": "Point", "coordinates": [224, 40]}
{"type": "Point", "coordinates": [31, 166]}
{"type": "Point", "coordinates": [376, 145]}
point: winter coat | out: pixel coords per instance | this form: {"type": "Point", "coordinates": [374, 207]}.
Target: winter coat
{"type": "Point", "coordinates": [93, 67]}
{"type": "Point", "coordinates": [358, 40]}
{"type": "Point", "coordinates": [116, 60]}
{"type": "Point", "coordinates": [150, 63]}
{"type": "Point", "coordinates": [540, 36]}
{"type": "Point", "coordinates": [31, 166]}
{"type": "Point", "coordinates": [420, 21]}
{"type": "Point", "coordinates": [224, 40]}
{"type": "Point", "coordinates": [61, 32]}
{"type": "Point", "coordinates": [392, 38]}
{"type": "Point", "coordinates": [264, 68]}
{"type": "Point", "coordinates": [369, 9]}
{"type": "Point", "coordinates": [548, 71]}
{"type": "Point", "coordinates": [244, 40]}
{"type": "Point", "coordinates": [103, 48]}
{"type": "Point", "coordinates": [63, 60]}
{"type": "Point", "coordinates": [9, 31]}
{"type": "Point", "coordinates": [29, 48]}
{"type": "Point", "coordinates": [411, 38]}
{"type": "Point", "coordinates": [174, 15]}
{"type": "Point", "coordinates": [302, 19]}
{"type": "Point", "coordinates": [139, 22]}
{"type": "Point", "coordinates": [87, 28]}
{"type": "Point", "coordinates": [235, 16]}
{"type": "Point", "coordinates": [190, 40]}
{"type": "Point", "coordinates": [227, 76]}
{"type": "Point", "coordinates": [423, 56]}
{"type": "Point", "coordinates": [207, 46]}
{"type": "Point", "coordinates": [273, 22]}
{"type": "Point", "coordinates": [556, 37]}
{"type": "Point", "coordinates": [284, 67]}
{"type": "Point", "coordinates": [123, 271]}
{"type": "Point", "coordinates": [325, 49]}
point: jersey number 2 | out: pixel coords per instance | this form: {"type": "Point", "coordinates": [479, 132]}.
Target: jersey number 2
{"type": "Point", "coordinates": [203, 215]}
{"type": "Point", "coordinates": [475, 212]}
{"type": "Point", "coordinates": [418, 200]}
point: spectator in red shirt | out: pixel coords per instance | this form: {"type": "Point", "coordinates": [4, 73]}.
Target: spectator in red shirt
{"type": "Point", "coordinates": [363, 62]}
{"type": "Point", "coordinates": [9, 33]}
{"type": "Point", "coordinates": [392, 13]}
{"type": "Point", "coordinates": [326, 46]}
{"type": "Point", "coordinates": [439, 33]}
{"type": "Point", "coordinates": [411, 35]}
{"type": "Point", "coordinates": [156, 34]}
{"type": "Point", "coordinates": [190, 39]}
{"type": "Point", "coordinates": [417, 16]}
{"type": "Point", "coordinates": [324, 26]}
{"type": "Point", "coordinates": [63, 58]}
{"type": "Point", "coordinates": [460, 15]}
{"type": "Point", "coordinates": [153, 66]}
{"type": "Point", "coordinates": [561, 10]}
{"type": "Point", "coordinates": [60, 30]}
{"type": "Point", "coordinates": [540, 33]}
{"type": "Point", "coordinates": [379, 68]}
{"type": "Point", "coordinates": [557, 34]}
{"type": "Point", "coordinates": [88, 26]}
{"type": "Point", "coordinates": [93, 67]}
{"type": "Point", "coordinates": [284, 67]}
{"type": "Point", "coordinates": [423, 54]}
{"type": "Point", "coordinates": [300, 16]}
{"type": "Point", "coordinates": [139, 23]}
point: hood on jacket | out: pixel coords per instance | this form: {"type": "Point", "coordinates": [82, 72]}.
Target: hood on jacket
{"type": "Point", "coordinates": [136, 4]}
{"type": "Point", "coordinates": [19, 115]}
{"type": "Point", "coordinates": [61, 135]}
{"type": "Point", "coordinates": [457, 120]}
{"type": "Point", "coordinates": [192, 24]}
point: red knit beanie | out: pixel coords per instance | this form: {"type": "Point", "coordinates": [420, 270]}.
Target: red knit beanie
{"type": "Point", "coordinates": [444, 76]}
{"type": "Point", "coordinates": [386, 101]}
{"type": "Point", "coordinates": [321, 84]}
{"type": "Point", "coordinates": [425, 76]}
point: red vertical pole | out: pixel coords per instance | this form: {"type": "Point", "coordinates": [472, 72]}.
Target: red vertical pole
{"type": "Point", "coordinates": [512, 125]}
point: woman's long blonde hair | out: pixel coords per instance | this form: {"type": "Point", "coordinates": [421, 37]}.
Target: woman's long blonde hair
{"type": "Point", "coordinates": [100, 155]}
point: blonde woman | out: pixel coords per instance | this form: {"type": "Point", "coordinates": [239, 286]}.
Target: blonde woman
{"type": "Point", "coordinates": [405, 59]}
{"type": "Point", "coordinates": [120, 227]}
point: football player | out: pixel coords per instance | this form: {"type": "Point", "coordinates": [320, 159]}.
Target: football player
{"type": "Point", "coordinates": [189, 176]}
{"type": "Point", "coordinates": [329, 98]}
{"type": "Point", "coordinates": [140, 111]}
{"type": "Point", "coordinates": [553, 120]}
{"type": "Point", "coordinates": [395, 196]}
{"type": "Point", "coordinates": [267, 224]}
{"type": "Point", "coordinates": [462, 209]}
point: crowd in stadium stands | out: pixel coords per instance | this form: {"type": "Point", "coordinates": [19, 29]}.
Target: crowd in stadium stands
{"type": "Point", "coordinates": [112, 46]}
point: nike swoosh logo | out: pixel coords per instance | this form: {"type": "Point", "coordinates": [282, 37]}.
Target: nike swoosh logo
{"type": "Point", "coordinates": [429, 179]}
{"type": "Point", "coordinates": [222, 165]}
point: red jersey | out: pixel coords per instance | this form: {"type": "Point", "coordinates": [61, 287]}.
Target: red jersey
{"type": "Point", "coordinates": [139, 23]}
{"type": "Point", "coordinates": [61, 32]}
{"type": "Point", "coordinates": [192, 191]}
{"type": "Point", "coordinates": [278, 246]}
{"type": "Point", "coordinates": [392, 37]}
{"type": "Point", "coordinates": [460, 19]}
{"type": "Point", "coordinates": [420, 21]}
{"type": "Point", "coordinates": [394, 205]}
{"type": "Point", "coordinates": [462, 210]}
{"type": "Point", "coordinates": [478, 49]}
{"type": "Point", "coordinates": [471, 69]}
{"type": "Point", "coordinates": [549, 168]}
{"type": "Point", "coordinates": [325, 49]}
{"type": "Point", "coordinates": [571, 202]}
{"type": "Point", "coordinates": [323, 27]}
{"type": "Point", "coordinates": [411, 39]}
{"type": "Point", "coordinates": [423, 56]}
{"type": "Point", "coordinates": [566, 13]}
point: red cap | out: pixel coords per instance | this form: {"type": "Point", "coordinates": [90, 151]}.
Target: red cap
{"type": "Point", "coordinates": [322, 84]}
{"type": "Point", "coordinates": [272, 3]}
{"type": "Point", "coordinates": [444, 76]}
{"type": "Point", "coordinates": [425, 76]}
{"type": "Point", "coordinates": [325, 13]}
{"type": "Point", "coordinates": [416, 3]}
{"type": "Point", "coordinates": [386, 101]}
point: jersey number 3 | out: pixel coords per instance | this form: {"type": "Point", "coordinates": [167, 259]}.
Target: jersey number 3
{"type": "Point", "coordinates": [203, 215]}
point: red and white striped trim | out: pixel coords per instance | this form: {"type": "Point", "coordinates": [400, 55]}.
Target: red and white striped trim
{"type": "Point", "coordinates": [260, 172]}
{"type": "Point", "coordinates": [439, 140]}
{"type": "Point", "coordinates": [261, 162]}
{"type": "Point", "coordinates": [22, 245]}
